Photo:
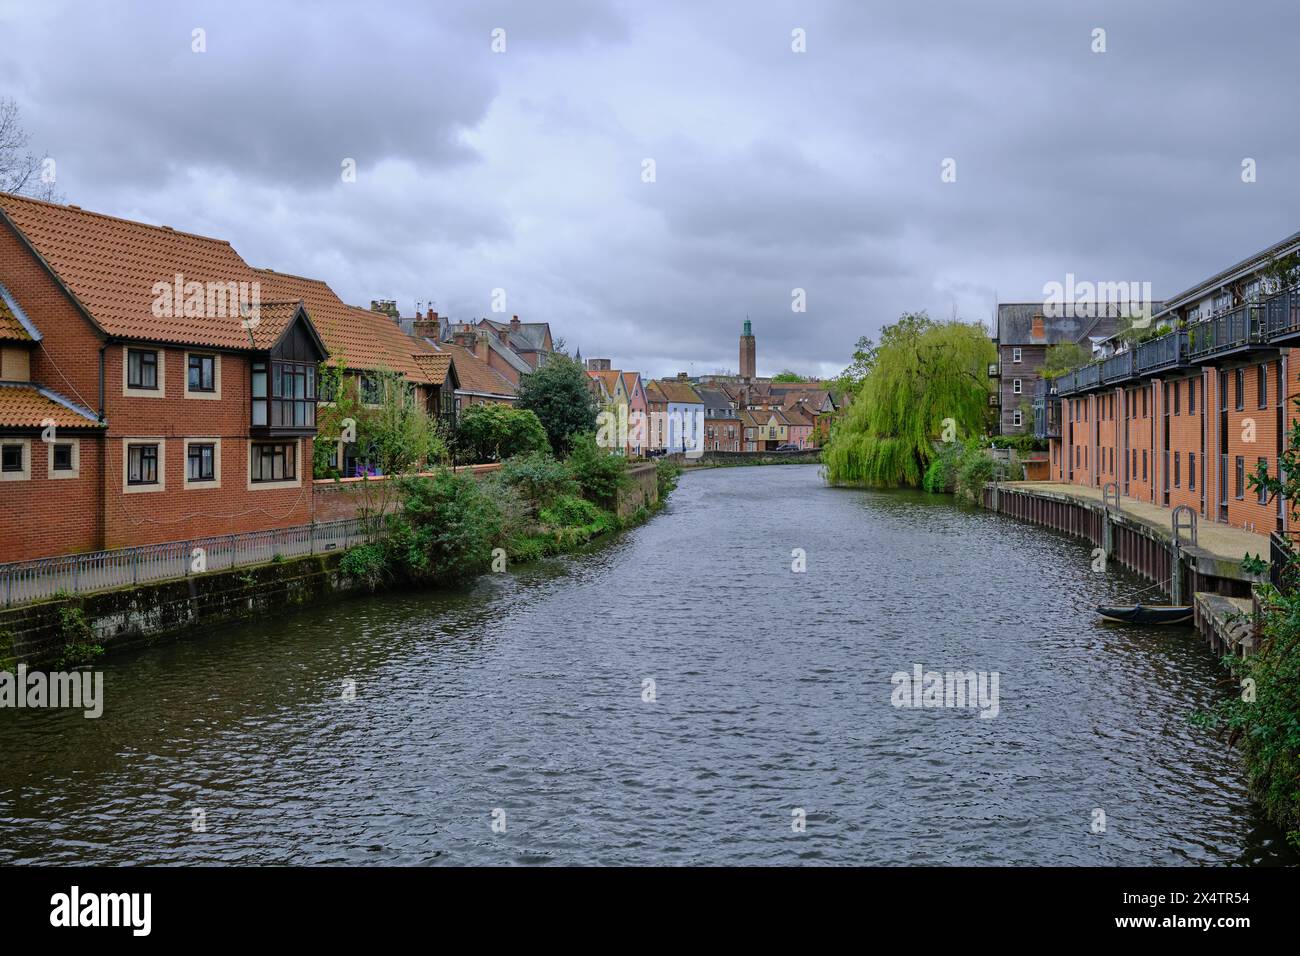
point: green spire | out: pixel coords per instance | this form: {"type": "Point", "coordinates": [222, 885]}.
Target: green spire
{"type": "Point", "coordinates": [747, 331]}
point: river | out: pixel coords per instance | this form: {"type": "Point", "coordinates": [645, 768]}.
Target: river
{"type": "Point", "coordinates": [768, 734]}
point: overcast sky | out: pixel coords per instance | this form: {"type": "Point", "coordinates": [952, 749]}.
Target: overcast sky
{"type": "Point", "coordinates": [774, 170]}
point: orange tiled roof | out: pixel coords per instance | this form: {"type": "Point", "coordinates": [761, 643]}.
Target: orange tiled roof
{"type": "Point", "coordinates": [272, 319]}
{"type": "Point", "coordinates": [608, 378]}
{"type": "Point", "coordinates": [680, 392]}
{"type": "Point", "coordinates": [654, 394]}
{"type": "Point", "coordinates": [111, 266]}
{"type": "Point", "coordinates": [359, 338]}
{"type": "Point", "coordinates": [11, 330]}
{"type": "Point", "coordinates": [476, 375]}
{"type": "Point", "coordinates": [435, 366]}
{"type": "Point", "coordinates": [27, 406]}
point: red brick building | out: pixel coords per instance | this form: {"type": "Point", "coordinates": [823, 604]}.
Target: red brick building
{"type": "Point", "coordinates": [1197, 409]}
{"type": "Point", "coordinates": [180, 401]}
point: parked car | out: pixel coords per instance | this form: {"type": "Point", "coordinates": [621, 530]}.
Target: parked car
{"type": "Point", "coordinates": [788, 447]}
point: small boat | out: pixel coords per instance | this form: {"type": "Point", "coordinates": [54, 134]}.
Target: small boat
{"type": "Point", "coordinates": [1147, 614]}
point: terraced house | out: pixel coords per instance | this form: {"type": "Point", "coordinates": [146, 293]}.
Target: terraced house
{"type": "Point", "coordinates": [1187, 416]}
{"type": "Point", "coordinates": [180, 401]}
{"type": "Point", "coordinates": [155, 387]}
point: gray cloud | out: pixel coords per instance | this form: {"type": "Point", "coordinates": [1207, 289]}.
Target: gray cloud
{"type": "Point", "coordinates": [775, 170]}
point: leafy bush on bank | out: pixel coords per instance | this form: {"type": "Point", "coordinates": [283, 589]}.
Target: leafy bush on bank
{"type": "Point", "coordinates": [447, 527]}
{"type": "Point", "coordinates": [667, 474]}
{"type": "Point", "coordinates": [960, 469]}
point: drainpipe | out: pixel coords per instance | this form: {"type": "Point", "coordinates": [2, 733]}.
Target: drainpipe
{"type": "Point", "coordinates": [103, 456]}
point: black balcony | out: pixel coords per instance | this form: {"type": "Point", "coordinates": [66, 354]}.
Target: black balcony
{"type": "Point", "coordinates": [1087, 377]}
{"type": "Point", "coordinates": [1282, 318]}
{"type": "Point", "coordinates": [1235, 333]}
{"type": "Point", "coordinates": [1064, 384]}
{"type": "Point", "coordinates": [1118, 368]}
{"type": "Point", "coordinates": [1047, 411]}
{"type": "Point", "coordinates": [1169, 351]}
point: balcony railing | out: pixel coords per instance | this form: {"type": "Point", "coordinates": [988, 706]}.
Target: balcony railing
{"type": "Point", "coordinates": [1282, 316]}
{"type": "Point", "coordinates": [1087, 377]}
{"type": "Point", "coordinates": [1234, 330]}
{"type": "Point", "coordinates": [1159, 354]}
{"type": "Point", "coordinates": [1118, 368]}
{"type": "Point", "coordinates": [1064, 383]}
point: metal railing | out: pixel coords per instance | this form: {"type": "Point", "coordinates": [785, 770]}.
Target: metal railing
{"type": "Point", "coordinates": [1233, 329]}
{"type": "Point", "coordinates": [1280, 574]}
{"type": "Point", "coordinates": [1087, 377]}
{"type": "Point", "coordinates": [1167, 351]}
{"type": "Point", "coordinates": [1282, 314]}
{"type": "Point", "coordinates": [1047, 410]}
{"type": "Point", "coordinates": [25, 581]}
{"type": "Point", "coordinates": [1117, 368]}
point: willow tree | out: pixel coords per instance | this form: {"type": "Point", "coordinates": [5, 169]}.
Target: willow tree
{"type": "Point", "coordinates": [929, 381]}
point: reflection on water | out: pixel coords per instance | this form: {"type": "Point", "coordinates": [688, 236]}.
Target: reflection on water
{"type": "Point", "coordinates": [771, 693]}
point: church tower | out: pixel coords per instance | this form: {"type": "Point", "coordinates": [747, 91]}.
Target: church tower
{"type": "Point", "coordinates": [748, 353]}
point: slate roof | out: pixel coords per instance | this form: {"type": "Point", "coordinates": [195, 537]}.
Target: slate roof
{"type": "Point", "coordinates": [715, 400]}
{"type": "Point", "coordinates": [30, 406]}
{"type": "Point", "coordinates": [1016, 319]}
{"type": "Point", "coordinates": [530, 337]}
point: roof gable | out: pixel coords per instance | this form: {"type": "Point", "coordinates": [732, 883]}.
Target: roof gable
{"type": "Point", "coordinates": [136, 281]}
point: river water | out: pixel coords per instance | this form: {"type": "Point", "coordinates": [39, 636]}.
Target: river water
{"type": "Point", "coordinates": [767, 736]}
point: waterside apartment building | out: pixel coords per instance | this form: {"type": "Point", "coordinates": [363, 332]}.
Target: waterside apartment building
{"type": "Point", "coordinates": [1186, 417]}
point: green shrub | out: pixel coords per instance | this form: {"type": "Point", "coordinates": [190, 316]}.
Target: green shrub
{"type": "Point", "coordinates": [599, 473]}
{"type": "Point", "coordinates": [367, 563]}
{"type": "Point", "coordinates": [571, 520]}
{"type": "Point", "coordinates": [667, 473]}
{"type": "Point", "coordinates": [941, 473]}
{"type": "Point", "coordinates": [78, 638]}
{"type": "Point", "coordinates": [974, 469]}
{"type": "Point", "coordinates": [445, 530]}
{"type": "Point", "coordinates": [538, 477]}
{"type": "Point", "coordinates": [497, 432]}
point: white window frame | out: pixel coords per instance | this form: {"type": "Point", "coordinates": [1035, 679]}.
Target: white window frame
{"type": "Point", "coordinates": [76, 459]}
{"type": "Point", "coordinates": [1016, 355]}
{"type": "Point", "coordinates": [1016, 418]}
{"type": "Point", "coordinates": [1016, 387]}
{"type": "Point", "coordinates": [26, 473]}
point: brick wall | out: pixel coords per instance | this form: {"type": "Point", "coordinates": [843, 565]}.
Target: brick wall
{"type": "Point", "coordinates": [44, 516]}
